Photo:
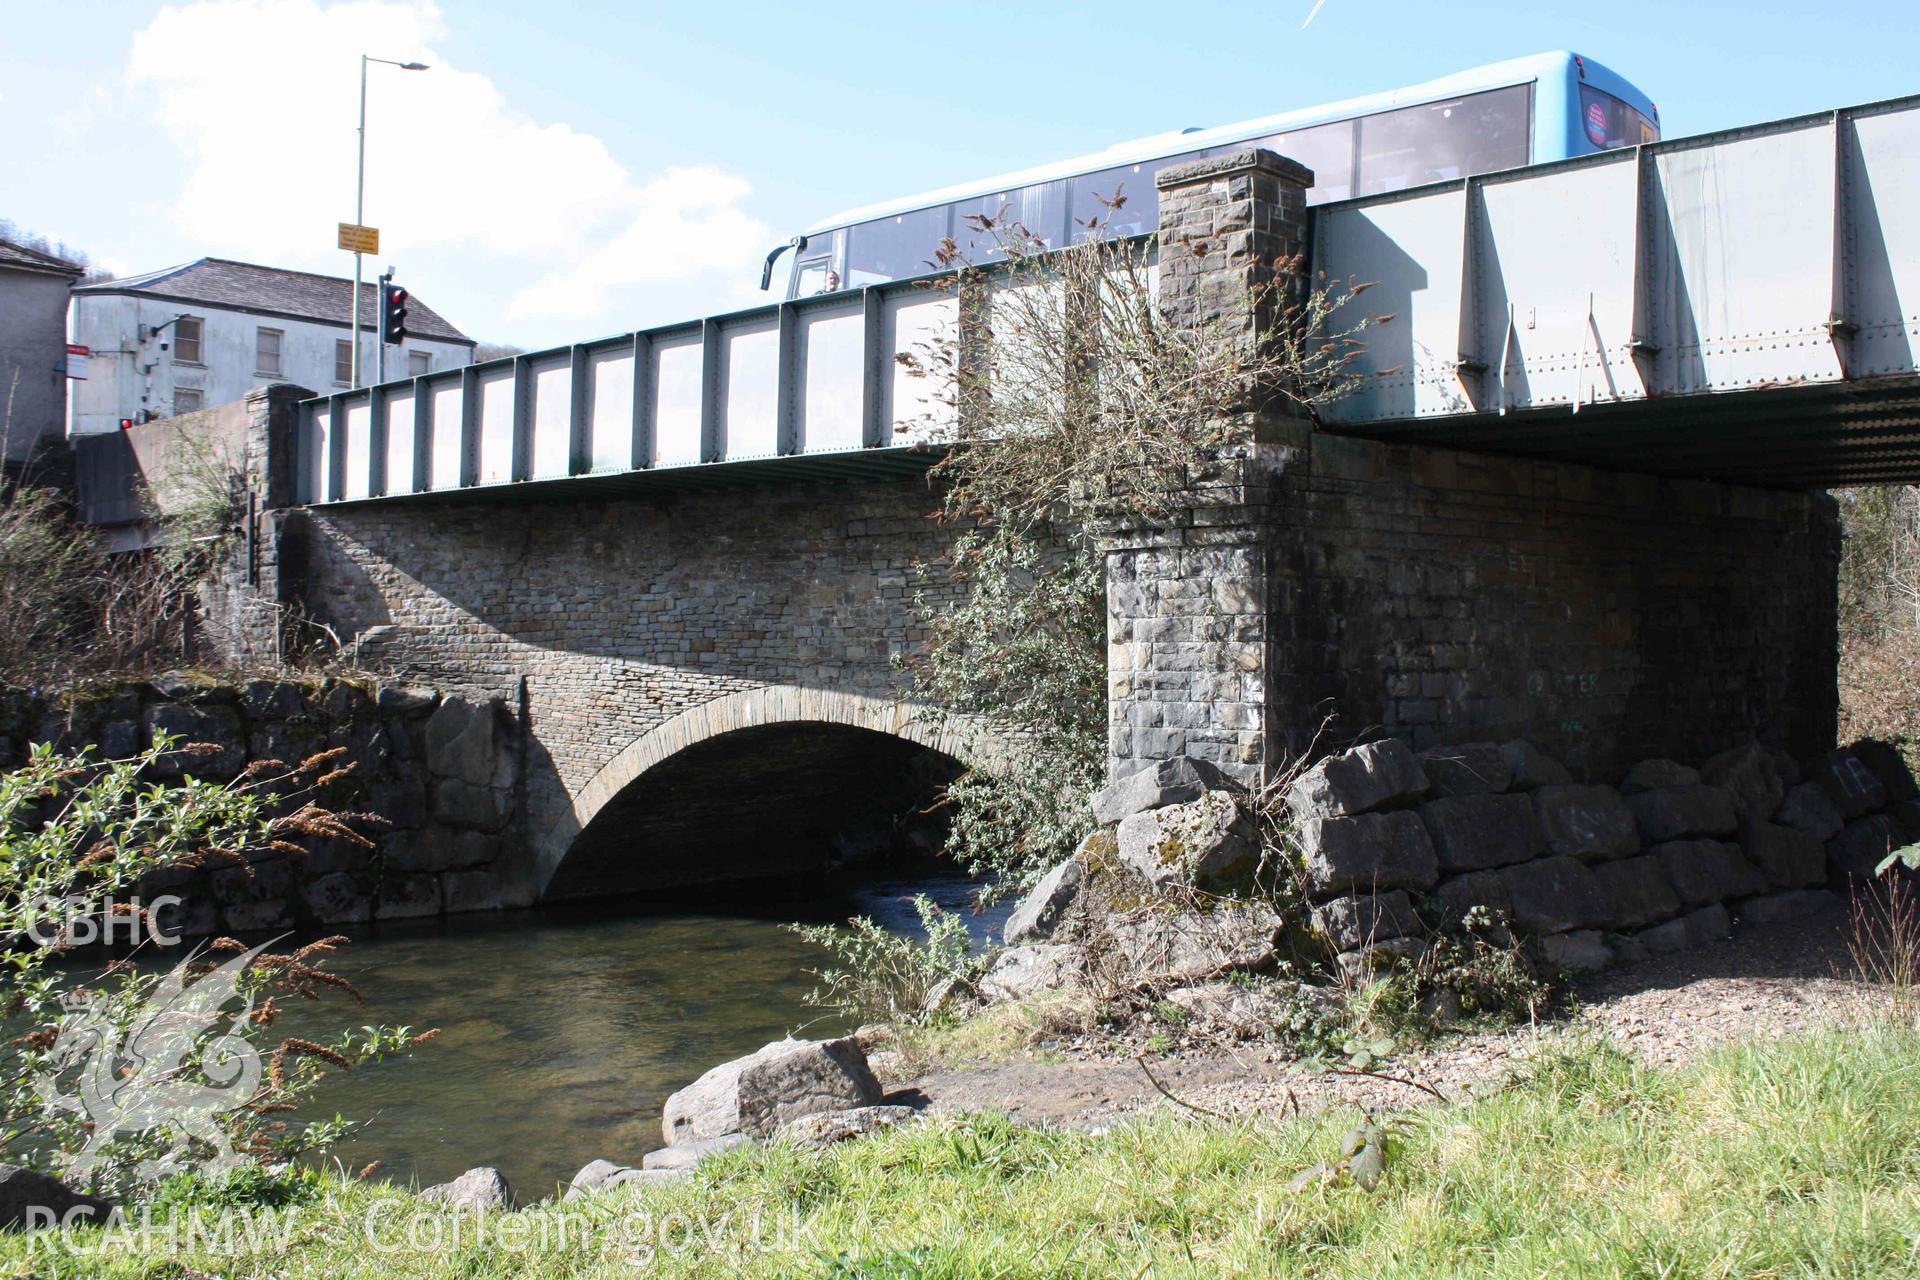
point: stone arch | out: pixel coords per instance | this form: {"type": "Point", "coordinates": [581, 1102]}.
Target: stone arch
{"type": "Point", "coordinates": [967, 743]}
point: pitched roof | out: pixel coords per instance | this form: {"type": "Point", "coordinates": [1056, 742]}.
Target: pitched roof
{"type": "Point", "coordinates": [18, 255]}
{"type": "Point", "coordinates": [303, 295]}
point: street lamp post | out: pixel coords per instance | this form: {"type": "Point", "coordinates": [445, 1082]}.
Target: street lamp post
{"type": "Point", "coordinates": [360, 197]}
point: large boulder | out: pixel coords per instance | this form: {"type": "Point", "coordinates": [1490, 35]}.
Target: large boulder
{"type": "Point", "coordinates": [1556, 895]}
{"type": "Point", "coordinates": [1471, 769]}
{"type": "Point", "coordinates": [1368, 777]}
{"type": "Point", "coordinates": [1703, 872]}
{"type": "Point", "coordinates": [603, 1174]}
{"type": "Point", "coordinates": [475, 1190]}
{"type": "Point", "coordinates": [212, 744]}
{"type": "Point", "coordinates": [1638, 890]}
{"type": "Point", "coordinates": [466, 804]}
{"type": "Point", "coordinates": [1367, 854]}
{"type": "Point", "coordinates": [1790, 905]}
{"type": "Point", "coordinates": [1462, 893]}
{"type": "Point", "coordinates": [1202, 843]}
{"type": "Point", "coordinates": [825, 1128]}
{"type": "Point", "coordinates": [1749, 775]}
{"type": "Point", "coordinates": [1863, 845]}
{"type": "Point", "coordinates": [1232, 1008]}
{"type": "Point", "coordinates": [464, 741]}
{"type": "Point", "coordinates": [1888, 765]}
{"type": "Point", "coordinates": [1707, 924]}
{"type": "Point", "coordinates": [406, 699]}
{"type": "Point", "coordinates": [1675, 813]}
{"type": "Point", "coordinates": [1649, 774]}
{"type": "Point", "coordinates": [1153, 948]}
{"type": "Point", "coordinates": [1040, 912]}
{"type": "Point", "coordinates": [337, 898]}
{"type": "Point", "coordinates": [685, 1155]}
{"type": "Point", "coordinates": [34, 1201]}
{"type": "Point", "coordinates": [1585, 822]}
{"type": "Point", "coordinates": [1471, 832]}
{"type": "Point", "coordinates": [1352, 922]}
{"type": "Point", "coordinates": [1849, 783]}
{"type": "Point", "coordinates": [1019, 972]}
{"type": "Point", "coordinates": [1531, 767]}
{"type": "Point", "coordinates": [757, 1094]}
{"type": "Point", "coordinates": [1808, 808]}
{"type": "Point", "coordinates": [1580, 951]}
{"type": "Point", "coordinates": [1788, 858]}
{"type": "Point", "coordinates": [1176, 781]}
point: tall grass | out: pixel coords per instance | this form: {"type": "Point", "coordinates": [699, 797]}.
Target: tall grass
{"type": "Point", "coordinates": [1796, 1157]}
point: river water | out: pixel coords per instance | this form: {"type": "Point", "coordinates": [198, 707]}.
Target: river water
{"type": "Point", "coordinates": [563, 1031]}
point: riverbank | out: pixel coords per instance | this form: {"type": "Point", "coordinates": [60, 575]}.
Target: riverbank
{"type": "Point", "coordinates": [1792, 1155]}
{"type": "Point", "coordinates": [1769, 980]}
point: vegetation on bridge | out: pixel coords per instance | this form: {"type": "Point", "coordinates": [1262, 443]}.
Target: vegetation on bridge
{"type": "Point", "coordinates": [1071, 402]}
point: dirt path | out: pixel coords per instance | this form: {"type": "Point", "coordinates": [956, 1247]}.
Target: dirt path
{"type": "Point", "coordinates": [1769, 980]}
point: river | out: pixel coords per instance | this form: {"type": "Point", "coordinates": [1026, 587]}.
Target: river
{"type": "Point", "coordinates": [562, 1031]}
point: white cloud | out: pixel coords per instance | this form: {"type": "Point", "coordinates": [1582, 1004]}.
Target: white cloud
{"type": "Point", "coordinates": [682, 222]}
{"type": "Point", "coordinates": [261, 98]}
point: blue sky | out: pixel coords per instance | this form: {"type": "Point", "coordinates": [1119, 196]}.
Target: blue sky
{"type": "Point", "coordinates": [573, 169]}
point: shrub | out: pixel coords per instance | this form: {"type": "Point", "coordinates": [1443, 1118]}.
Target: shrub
{"type": "Point", "coordinates": [1067, 401]}
{"type": "Point", "coordinates": [883, 977]}
{"type": "Point", "coordinates": [76, 829]}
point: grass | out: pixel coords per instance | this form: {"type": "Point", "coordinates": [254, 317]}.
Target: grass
{"type": "Point", "coordinates": [1796, 1157]}
{"type": "Point", "coordinates": [1003, 1032]}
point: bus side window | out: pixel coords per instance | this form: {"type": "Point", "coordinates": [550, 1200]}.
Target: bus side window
{"type": "Point", "coordinates": [1091, 197]}
{"type": "Point", "coordinates": [896, 247]}
{"type": "Point", "coordinates": [1327, 149]}
{"type": "Point", "coordinates": [1040, 211]}
{"type": "Point", "coordinates": [1437, 141]}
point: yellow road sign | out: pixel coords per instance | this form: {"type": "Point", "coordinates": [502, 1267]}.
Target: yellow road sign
{"type": "Point", "coordinates": [358, 239]}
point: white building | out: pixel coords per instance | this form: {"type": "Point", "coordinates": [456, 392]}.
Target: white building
{"type": "Point", "coordinates": [207, 333]}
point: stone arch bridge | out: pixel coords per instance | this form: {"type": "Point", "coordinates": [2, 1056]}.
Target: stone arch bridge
{"type": "Point", "coordinates": [697, 662]}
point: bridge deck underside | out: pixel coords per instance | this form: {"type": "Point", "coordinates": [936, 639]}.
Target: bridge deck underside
{"type": "Point", "coordinates": [1804, 437]}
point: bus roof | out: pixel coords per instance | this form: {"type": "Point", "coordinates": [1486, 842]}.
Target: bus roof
{"type": "Point", "coordinates": [1493, 75]}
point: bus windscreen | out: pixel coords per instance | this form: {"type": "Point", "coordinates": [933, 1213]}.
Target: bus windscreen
{"type": "Point", "coordinates": [1609, 122]}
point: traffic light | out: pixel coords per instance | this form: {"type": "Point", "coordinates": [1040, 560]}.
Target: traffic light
{"type": "Point", "coordinates": [393, 313]}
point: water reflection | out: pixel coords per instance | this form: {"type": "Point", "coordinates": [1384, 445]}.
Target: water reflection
{"type": "Point", "coordinates": [563, 1031]}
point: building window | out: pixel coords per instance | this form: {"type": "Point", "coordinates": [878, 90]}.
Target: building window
{"type": "Point", "coordinates": [419, 363]}
{"type": "Point", "coordinates": [186, 340]}
{"type": "Point", "coordinates": [188, 400]}
{"type": "Point", "coordinates": [266, 350]}
{"type": "Point", "coordinates": [342, 361]}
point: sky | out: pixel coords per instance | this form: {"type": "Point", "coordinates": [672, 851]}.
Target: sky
{"type": "Point", "coordinates": [572, 168]}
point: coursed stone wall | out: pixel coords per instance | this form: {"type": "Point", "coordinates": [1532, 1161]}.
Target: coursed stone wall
{"type": "Point", "coordinates": [442, 774]}
{"type": "Point", "coordinates": [1606, 616]}
{"type": "Point", "coordinates": [1590, 874]}
{"type": "Point", "coordinates": [1437, 594]}
{"type": "Point", "coordinates": [603, 621]}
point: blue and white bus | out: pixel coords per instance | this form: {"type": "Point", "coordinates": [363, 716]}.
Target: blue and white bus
{"type": "Point", "coordinates": [1551, 106]}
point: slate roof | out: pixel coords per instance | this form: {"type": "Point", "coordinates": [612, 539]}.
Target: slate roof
{"type": "Point", "coordinates": [243, 286]}
{"type": "Point", "coordinates": [18, 255]}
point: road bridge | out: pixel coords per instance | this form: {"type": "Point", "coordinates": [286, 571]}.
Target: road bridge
{"type": "Point", "coordinates": [1576, 498]}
